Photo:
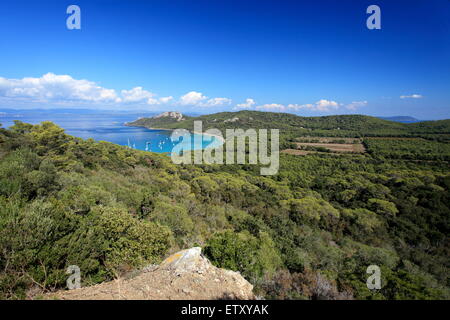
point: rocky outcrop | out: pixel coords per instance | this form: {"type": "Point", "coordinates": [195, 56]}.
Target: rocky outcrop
{"type": "Point", "coordinates": [231, 120]}
{"type": "Point", "coordinates": [165, 120]}
{"type": "Point", "coordinates": [189, 260]}
{"type": "Point", "coordinates": [170, 114]}
{"type": "Point", "coordinates": [186, 274]}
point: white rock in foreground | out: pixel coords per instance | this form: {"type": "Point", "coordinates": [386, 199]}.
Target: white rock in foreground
{"type": "Point", "coordinates": [189, 260]}
{"type": "Point", "coordinates": [184, 275]}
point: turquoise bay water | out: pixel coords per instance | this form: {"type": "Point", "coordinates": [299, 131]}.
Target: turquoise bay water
{"type": "Point", "coordinates": [111, 128]}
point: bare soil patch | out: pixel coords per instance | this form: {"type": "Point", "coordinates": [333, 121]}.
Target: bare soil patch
{"type": "Point", "coordinates": [335, 147]}
{"type": "Point", "coordinates": [327, 140]}
{"type": "Point", "coordinates": [394, 138]}
{"type": "Point", "coordinates": [185, 275]}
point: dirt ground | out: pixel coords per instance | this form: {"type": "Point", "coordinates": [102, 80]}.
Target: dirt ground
{"type": "Point", "coordinates": [161, 285]}
{"type": "Point", "coordinates": [335, 147]}
{"type": "Point", "coordinates": [326, 139]}
{"type": "Point", "coordinates": [185, 275]}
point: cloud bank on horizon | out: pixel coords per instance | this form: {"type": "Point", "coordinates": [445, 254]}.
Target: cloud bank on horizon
{"type": "Point", "coordinates": [65, 91]}
{"type": "Point", "coordinates": [322, 105]}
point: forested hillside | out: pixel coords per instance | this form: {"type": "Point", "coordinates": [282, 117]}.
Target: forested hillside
{"type": "Point", "coordinates": [290, 124]}
{"type": "Point", "coordinates": [308, 232]}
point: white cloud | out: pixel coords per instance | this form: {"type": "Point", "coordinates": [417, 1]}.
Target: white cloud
{"type": "Point", "coordinates": [138, 95]}
{"type": "Point", "coordinates": [356, 104]}
{"type": "Point", "coordinates": [63, 89]}
{"type": "Point", "coordinates": [248, 104]}
{"type": "Point", "coordinates": [67, 91]}
{"type": "Point", "coordinates": [195, 98]}
{"type": "Point", "coordinates": [321, 105]}
{"type": "Point", "coordinates": [271, 106]}
{"type": "Point", "coordinates": [325, 105]}
{"type": "Point", "coordinates": [217, 102]}
{"type": "Point", "coordinates": [51, 87]}
{"type": "Point", "coordinates": [166, 99]}
{"type": "Point", "coordinates": [412, 96]}
{"type": "Point", "coordinates": [192, 98]}
{"type": "Point", "coordinates": [296, 107]}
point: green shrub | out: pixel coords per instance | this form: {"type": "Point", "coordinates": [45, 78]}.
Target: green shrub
{"type": "Point", "coordinates": [252, 256]}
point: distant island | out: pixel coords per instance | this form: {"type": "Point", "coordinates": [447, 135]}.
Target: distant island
{"type": "Point", "coordinates": [160, 121]}
{"type": "Point", "coordinates": [403, 119]}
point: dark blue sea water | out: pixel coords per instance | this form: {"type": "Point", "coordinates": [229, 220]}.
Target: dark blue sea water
{"type": "Point", "coordinates": [108, 127]}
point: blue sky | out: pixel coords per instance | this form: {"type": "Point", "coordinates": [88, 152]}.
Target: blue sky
{"type": "Point", "coordinates": [305, 57]}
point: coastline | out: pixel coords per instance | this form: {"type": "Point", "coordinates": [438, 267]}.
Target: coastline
{"type": "Point", "coordinates": [219, 138]}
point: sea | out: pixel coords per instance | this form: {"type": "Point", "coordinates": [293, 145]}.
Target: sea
{"type": "Point", "coordinates": [111, 127]}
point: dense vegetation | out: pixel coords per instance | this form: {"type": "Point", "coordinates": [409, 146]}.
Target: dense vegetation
{"type": "Point", "coordinates": [294, 126]}
{"type": "Point", "coordinates": [308, 232]}
{"type": "Point", "coordinates": [408, 148]}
